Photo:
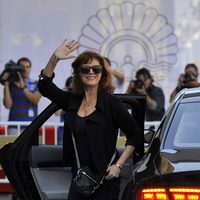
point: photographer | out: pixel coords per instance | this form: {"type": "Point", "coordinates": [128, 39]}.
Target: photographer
{"type": "Point", "coordinates": [21, 94]}
{"type": "Point", "coordinates": [187, 80]}
{"type": "Point", "coordinates": [155, 99]}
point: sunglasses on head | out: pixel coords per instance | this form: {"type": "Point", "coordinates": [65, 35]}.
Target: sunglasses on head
{"type": "Point", "coordinates": [85, 69]}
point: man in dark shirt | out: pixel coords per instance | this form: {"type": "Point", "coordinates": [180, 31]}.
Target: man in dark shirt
{"type": "Point", "coordinates": [155, 99]}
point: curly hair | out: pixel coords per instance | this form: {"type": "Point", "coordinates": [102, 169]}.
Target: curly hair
{"type": "Point", "coordinates": [87, 57]}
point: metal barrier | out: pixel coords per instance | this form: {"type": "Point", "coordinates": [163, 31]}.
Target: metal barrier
{"type": "Point", "coordinates": [154, 124]}
{"type": "Point", "coordinates": [4, 129]}
{"type": "Point", "coordinates": [5, 137]}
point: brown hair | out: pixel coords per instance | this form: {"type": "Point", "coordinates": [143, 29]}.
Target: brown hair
{"type": "Point", "coordinates": [24, 59]}
{"type": "Point", "coordinates": [87, 57]}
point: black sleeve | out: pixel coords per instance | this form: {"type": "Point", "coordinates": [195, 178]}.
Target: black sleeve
{"type": "Point", "coordinates": [126, 123]}
{"type": "Point", "coordinates": [159, 97]}
{"type": "Point", "coordinates": [48, 89]}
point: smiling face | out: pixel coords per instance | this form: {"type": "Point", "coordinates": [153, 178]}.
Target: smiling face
{"type": "Point", "coordinates": [92, 78]}
{"type": "Point", "coordinates": [90, 70]}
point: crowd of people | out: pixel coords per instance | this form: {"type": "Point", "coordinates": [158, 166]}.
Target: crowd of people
{"type": "Point", "coordinates": [21, 95]}
{"type": "Point", "coordinates": [91, 113]}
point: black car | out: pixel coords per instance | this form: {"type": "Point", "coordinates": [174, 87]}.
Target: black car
{"type": "Point", "coordinates": [36, 172]}
{"type": "Point", "coordinates": [170, 169]}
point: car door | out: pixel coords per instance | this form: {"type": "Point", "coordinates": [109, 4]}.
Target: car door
{"type": "Point", "coordinates": [36, 171]}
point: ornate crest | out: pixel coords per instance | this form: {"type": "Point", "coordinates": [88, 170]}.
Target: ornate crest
{"type": "Point", "coordinates": [132, 36]}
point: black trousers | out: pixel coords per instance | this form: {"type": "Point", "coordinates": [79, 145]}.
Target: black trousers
{"type": "Point", "coordinates": [108, 191]}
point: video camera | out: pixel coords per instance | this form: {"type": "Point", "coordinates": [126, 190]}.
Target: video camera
{"type": "Point", "coordinates": [12, 68]}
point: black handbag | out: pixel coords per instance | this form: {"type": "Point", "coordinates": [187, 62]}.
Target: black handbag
{"type": "Point", "coordinates": [86, 182]}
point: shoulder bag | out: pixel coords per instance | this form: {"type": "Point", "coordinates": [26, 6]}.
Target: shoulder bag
{"type": "Point", "coordinates": [85, 181]}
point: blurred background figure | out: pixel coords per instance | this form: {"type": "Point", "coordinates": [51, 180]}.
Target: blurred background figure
{"type": "Point", "coordinates": [118, 77]}
{"type": "Point", "coordinates": [187, 80]}
{"type": "Point", "coordinates": [155, 100]}
{"type": "Point", "coordinates": [21, 94]}
{"type": "Point", "coordinates": [61, 113]}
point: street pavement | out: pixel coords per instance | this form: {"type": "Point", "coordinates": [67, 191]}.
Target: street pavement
{"type": "Point", "coordinates": [5, 197]}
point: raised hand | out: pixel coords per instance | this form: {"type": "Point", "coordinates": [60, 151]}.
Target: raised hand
{"type": "Point", "coordinates": [21, 82]}
{"type": "Point", "coordinates": [65, 49]}
{"type": "Point", "coordinates": [5, 76]}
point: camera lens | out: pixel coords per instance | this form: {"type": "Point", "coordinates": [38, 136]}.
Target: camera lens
{"type": "Point", "coordinates": [139, 84]}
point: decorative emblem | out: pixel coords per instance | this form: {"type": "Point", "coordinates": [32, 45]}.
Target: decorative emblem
{"type": "Point", "coordinates": [132, 36]}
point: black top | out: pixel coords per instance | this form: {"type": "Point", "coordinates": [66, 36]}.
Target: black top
{"type": "Point", "coordinates": [82, 142]}
{"type": "Point", "coordinates": [101, 127]}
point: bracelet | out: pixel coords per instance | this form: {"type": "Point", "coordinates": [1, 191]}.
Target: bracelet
{"type": "Point", "coordinates": [46, 78]}
{"type": "Point", "coordinates": [118, 166]}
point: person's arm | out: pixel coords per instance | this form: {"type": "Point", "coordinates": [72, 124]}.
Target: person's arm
{"type": "Point", "coordinates": [179, 86]}
{"type": "Point", "coordinates": [46, 86]}
{"type": "Point", "coordinates": [173, 94]}
{"type": "Point", "coordinates": [156, 102]}
{"type": "Point", "coordinates": [61, 53]}
{"type": "Point", "coordinates": [58, 112]}
{"type": "Point", "coordinates": [134, 136]}
{"type": "Point", "coordinates": [151, 103]}
{"type": "Point", "coordinates": [115, 169]}
{"type": "Point", "coordinates": [7, 100]}
{"type": "Point", "coordinates": [118, 75]}
{"type": "Point", "coordinates": [32, 97]}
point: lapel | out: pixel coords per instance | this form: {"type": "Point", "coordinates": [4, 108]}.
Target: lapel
{"type": "Point", "coordinates": [100, 108]}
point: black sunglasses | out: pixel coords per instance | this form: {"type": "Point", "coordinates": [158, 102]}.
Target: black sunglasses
{"type": "Point", "coordinates": [85, 69]}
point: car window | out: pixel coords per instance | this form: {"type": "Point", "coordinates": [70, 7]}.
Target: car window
{"type": "Point", "coordinates": [184, 131]}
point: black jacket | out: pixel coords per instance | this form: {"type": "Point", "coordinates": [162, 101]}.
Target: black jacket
{"type": "Point", "coordinates": [101, 127]}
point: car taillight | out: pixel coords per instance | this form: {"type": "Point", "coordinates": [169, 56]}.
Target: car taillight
{"type": "Point", "coordinates": [178, 193]}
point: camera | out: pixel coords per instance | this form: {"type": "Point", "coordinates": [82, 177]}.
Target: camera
{"type": "Point", "coordinates": [189, 76]}
{"type": "Point", "coordinates": [138, 84]}
{"type": "Point", "coordinates": [12, 68]}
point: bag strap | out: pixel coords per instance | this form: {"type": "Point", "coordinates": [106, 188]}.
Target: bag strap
{"type": "Point", "coordinates": [77, 157]}
{"type": "Point", "coordinates": [112, 159]}
{"type": "Point", "coordinates": [76, 152]}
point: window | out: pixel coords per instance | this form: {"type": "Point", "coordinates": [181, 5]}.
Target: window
{"type": "Point", "coordinates": [185, 128]}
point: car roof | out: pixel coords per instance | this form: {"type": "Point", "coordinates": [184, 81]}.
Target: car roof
{"type": "Point", "coordinates": [188, 95]}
